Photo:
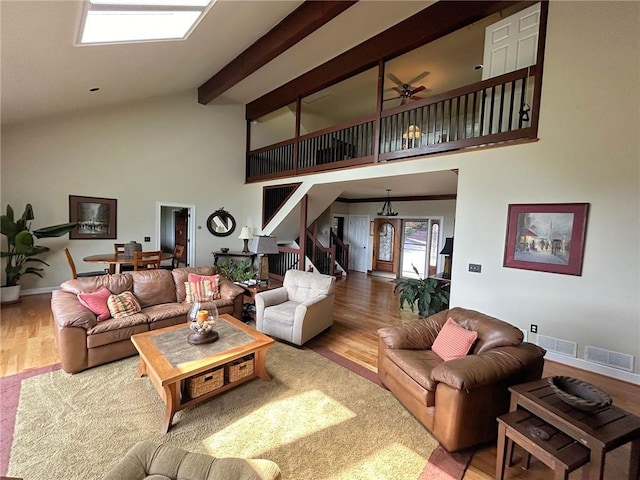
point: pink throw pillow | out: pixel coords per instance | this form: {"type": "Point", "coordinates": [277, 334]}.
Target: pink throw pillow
{"type": "Point", "coordinates": [214, 279]}
{"type": "Point", "coordinates": [453, 341]}
{"type": "Point", "coordinates": [96, 302]}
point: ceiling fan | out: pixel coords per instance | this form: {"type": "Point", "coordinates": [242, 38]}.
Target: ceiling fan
{"type": "Point", "coordinates": [406, 90]}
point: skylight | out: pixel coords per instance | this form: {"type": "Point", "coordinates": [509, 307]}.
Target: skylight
{"type": "Point", "coordinates": [118, 21]}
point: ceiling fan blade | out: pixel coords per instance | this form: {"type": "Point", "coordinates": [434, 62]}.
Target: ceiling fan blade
{"type": "Point", "coordinates": [403, 101]}
{"type": "Point", "coordinates": [398, 90]}
{"type": "Point", "coordinates": [394, 79]}
{"type": "Point", "coordinates": [416, 90]}
{"type": "Point", "coordinates": [392, 98]}
{"type": "Point", "coordinates": [419, 77]}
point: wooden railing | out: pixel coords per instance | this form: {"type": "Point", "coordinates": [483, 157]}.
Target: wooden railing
{"type": "Point", "coordinates": [491, 111]}
{"type": "Point", "coordinates": [323, 258]}
{"type": "Point", "coordinates": [288, 258]}
{"type": "Point", "coordinates": [342, 251]}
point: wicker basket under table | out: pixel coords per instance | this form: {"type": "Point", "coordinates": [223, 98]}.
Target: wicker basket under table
{"type": "Point", "coordinates": [243, 367]}
{"type": "Point", "coordinates": [205, 382]}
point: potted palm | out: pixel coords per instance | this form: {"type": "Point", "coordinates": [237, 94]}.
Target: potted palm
{"type": "Point", "coordinates": [21, 253]}
{"type": "Point", "coordinates": [430, 295]}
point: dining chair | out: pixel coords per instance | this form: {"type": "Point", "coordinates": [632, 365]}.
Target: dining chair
{"type": "Point", "coordinates": [147, 260]}
{"type": "Point", "coordinates": [176, 258]}
{"type": "Point", "coordinates": [74, 272]}
{"type": "Point", "coordinates": [119, 251]}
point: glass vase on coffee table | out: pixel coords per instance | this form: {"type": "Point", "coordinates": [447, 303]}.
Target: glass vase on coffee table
{"type": "Point", "coordinates": [202, 322]}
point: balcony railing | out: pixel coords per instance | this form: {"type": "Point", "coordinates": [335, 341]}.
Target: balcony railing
{"type": "Point", "coordinates": [491, 111]}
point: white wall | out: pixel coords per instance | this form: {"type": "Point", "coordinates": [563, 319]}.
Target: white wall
{"type": "Point", "coordinates": [588, 152]}
{"type": "Point", "coordinates": [168, 149]}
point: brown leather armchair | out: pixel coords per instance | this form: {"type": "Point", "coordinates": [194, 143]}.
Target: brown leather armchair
{"type": "Point", "coordinates": [458, 401]}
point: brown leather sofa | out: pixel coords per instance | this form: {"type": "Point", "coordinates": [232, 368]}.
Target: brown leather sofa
{"type": "Point", "coordinates": [83, 342]}
{"type": "Point", "coordinates": [458, 400]}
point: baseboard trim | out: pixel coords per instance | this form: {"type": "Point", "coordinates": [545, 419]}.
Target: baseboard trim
{"type": "Point", "coordinates": [37, 291]}
{"type": "Point", "coordinates": [594, 367]}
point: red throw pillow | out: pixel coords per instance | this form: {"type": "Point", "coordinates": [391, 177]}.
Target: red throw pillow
{"type": "Point", "coordinates": [453, 341]}
{"type": "Point", "coordinates": [96, 302]}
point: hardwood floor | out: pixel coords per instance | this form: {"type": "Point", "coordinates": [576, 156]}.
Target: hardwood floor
{"type": "Point", "coordinates": [363, 304]}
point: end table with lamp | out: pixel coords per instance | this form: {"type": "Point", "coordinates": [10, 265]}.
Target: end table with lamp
{"type": "Point", "coordinates": [264, 245]}
{"type": "Point", "coordinates": [245, 236]}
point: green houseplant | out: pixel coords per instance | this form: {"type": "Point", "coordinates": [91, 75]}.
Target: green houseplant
{"type": "Point", "coordinates": [236, 271]}
{"type": "Point", "coordinates": [21, 250]}
{"type": "Point", "coordinates": [430, 295]}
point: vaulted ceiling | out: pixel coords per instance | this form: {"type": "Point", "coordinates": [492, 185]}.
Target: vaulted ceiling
{"type": "Point", "coordinates": [44, 73]}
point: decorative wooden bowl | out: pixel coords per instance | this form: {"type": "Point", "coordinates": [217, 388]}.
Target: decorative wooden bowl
{"type": "Point", "coordinates": [579, 394]}
{"type": "Point", "coordinates": [224, 249]}
{"type": "Point", "coordinates": [202, 338]}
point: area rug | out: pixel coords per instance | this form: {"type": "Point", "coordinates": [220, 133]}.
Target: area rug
{"type": "Point", "coordinates": [315, 419]}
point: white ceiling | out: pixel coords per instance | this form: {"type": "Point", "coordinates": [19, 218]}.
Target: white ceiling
{"type": "Point", "coordinates": [43, 73]}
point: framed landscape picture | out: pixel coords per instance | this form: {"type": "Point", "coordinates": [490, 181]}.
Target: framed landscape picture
{"type": "Point", "coordinates": [96, 217]}
{"type": "Point", "coordinates": [547, 237]}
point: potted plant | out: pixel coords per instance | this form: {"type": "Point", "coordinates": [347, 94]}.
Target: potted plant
{"type": "Point", "coordinates": [430, 295]}
{"type": "Point", "coordinates": [237, 271]}
{"type": "Point", "coordinates": [21, 251]}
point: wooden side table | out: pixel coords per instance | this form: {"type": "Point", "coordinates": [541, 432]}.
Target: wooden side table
{"type": "Point", "coordinates": [249, 301]}
{"type": "Point", "coordinates": [600, 431]}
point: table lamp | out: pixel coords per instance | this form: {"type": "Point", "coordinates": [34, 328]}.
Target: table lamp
{"type": "Point", "coordinates": [245, 235]}
{"type": "Point", "coordinates": [264, 245]}
{"type": "Point", "coordinates": [447, 251]}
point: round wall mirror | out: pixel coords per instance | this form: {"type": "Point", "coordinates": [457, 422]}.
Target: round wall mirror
{"type": "Point", "coordinates": [221, 223]}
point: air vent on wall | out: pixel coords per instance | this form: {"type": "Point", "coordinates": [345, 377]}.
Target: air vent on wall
{"type": "Point", "coordinates": [622, 361]}
{"type": "Point", "coordinates": [565, 347]}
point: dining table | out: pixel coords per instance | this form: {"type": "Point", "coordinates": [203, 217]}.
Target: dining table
{"type": "Point", "coordinates": [115, 262]}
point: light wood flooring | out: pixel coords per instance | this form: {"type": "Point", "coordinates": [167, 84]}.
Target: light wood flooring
{"type": "Point", "coordinates": [363, 304]}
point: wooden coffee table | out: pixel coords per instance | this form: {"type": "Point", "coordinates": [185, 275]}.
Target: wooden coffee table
{"type": "Point", "coordinates": [169, 360]}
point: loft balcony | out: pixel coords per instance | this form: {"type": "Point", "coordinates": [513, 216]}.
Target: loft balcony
{"type": "Point", "coordinates": [488, 112]}
{"type": "Point", "coordinates": [466, 87]}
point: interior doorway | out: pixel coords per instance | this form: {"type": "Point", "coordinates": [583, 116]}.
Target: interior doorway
{"type": "Point", "coordinates": [175, 225]}
{"type": "Point", "coordinates": [358, 240]}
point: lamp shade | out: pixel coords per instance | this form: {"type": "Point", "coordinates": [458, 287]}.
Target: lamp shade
{"type": "Point", "coordinates": [245, 234]}
{"type": "Point", "coordinates": [448, 247]}
{"type": "Point", "coordinates": [264, 245]}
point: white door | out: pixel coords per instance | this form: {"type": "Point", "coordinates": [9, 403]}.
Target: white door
{"type": "Point", "coordinates": [510, 44]}
{"type": "Point", "coordinates": [358, 239]}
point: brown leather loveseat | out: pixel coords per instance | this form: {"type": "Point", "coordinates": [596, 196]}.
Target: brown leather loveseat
{"type": "Point", "coordinates": [85, 342]}
{"type": "Point", "coordinates": [457, 400]}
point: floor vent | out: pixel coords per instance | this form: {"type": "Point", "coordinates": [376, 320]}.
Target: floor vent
{"type": "Point", "coordinates": [565, 347]}
{"type": "Point", "coordinates": [623, 361]}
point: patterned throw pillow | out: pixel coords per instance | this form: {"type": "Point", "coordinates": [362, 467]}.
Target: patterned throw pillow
{"type": "Point", "coordinates": [200, 291]}
{"type": "Point", "coordinates": [214, 279]}
{"type": "Point", "coordinates": [123, 305]}
{"type": "Point", "coordinates": [453, 341]}
{"type": "Point", "coordinates": [96, 302]}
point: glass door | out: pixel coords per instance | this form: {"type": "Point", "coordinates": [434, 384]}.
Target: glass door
{"type": "Point", "coordinates": [420, 247]}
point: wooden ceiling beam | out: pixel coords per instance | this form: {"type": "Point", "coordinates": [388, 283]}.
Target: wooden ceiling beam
{"type": "Point", "coordinates": [303, 21]}
{"type": "Point", "coordinates": [429, 24]}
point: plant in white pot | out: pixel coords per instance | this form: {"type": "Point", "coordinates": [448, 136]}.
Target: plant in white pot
{"type": "Point", "coordinates": [21, 253]}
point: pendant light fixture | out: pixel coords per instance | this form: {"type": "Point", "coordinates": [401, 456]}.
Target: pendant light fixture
{"type": "Point", "coordinates": [387, 210]}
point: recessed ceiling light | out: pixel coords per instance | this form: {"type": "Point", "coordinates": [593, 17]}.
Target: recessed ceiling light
{"type": "Point", "coordinates": [127, 21]}
{"type": "Point", "coordinates": [94, 89]}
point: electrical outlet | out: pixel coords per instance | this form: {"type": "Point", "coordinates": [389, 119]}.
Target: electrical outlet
{"type": "Point", "coordinates": [475, 268]}
{"type": "Point", "coordinates": [534, 328]}
{"type": "Point", "coordinates": [147, 239]}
